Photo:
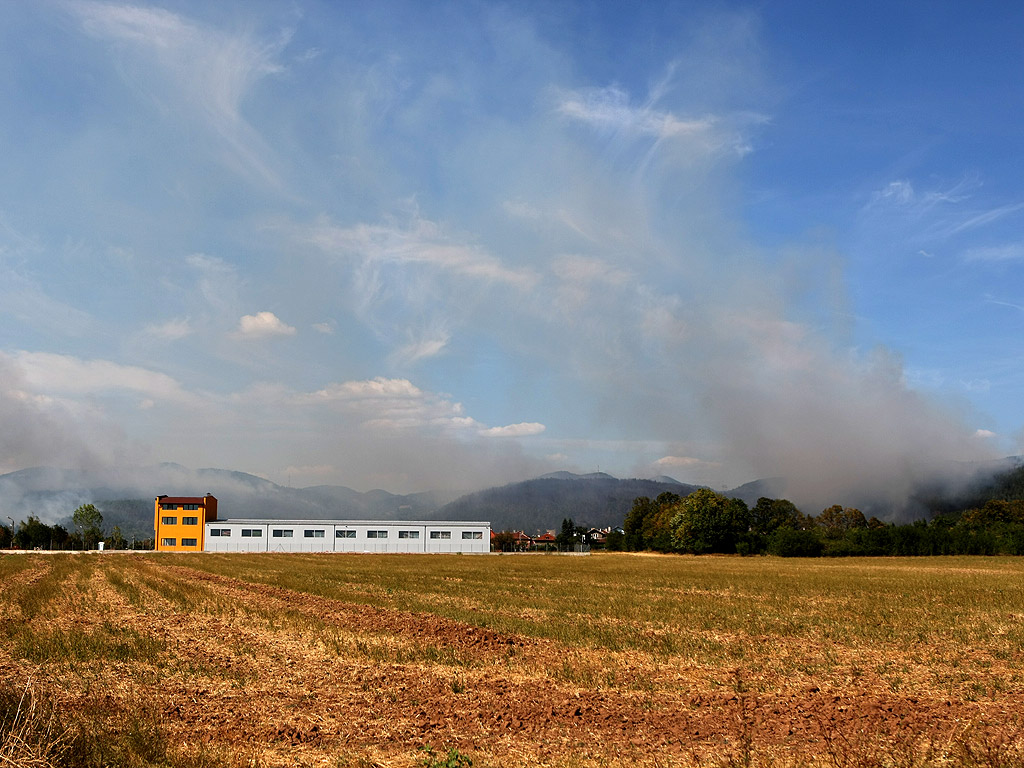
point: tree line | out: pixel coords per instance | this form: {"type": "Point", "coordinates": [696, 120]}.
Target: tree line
{"type": "Point", "coordinates": [709, 522]}
{"type": "Point", "coordinates": [86, 533]}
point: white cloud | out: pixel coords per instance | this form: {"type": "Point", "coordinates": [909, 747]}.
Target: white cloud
{"type": "Point", "coordinates": [983, 218]}
{"type": "Point", "coordinates": [984, 434]}
{"type": "Point", "coordinates": [523, 429]}
{"type": "Point", "coordinates": [423, 243]}
{"type": "Point", "coordinates": [370, 389]}
{"type": "Point", "coordinates": [205, 73]}
{"type": "Point", "coordinates": [608, 110]}
{"type": "Point", "coordinates": [899, 192]}
{"type": "Point", "coordinates": [390, 404]}
{"type": "Point", "coordinates": [25, 300]}
{"type": "Point", "coordinates": [1007, 252]}
{"type": "Point", "coordinates": [172, 330]}
{"type": "Point", "coordinates": [423, 348]}
{"type": "Point", "coordinates": [325, 328]}
{"type": "Point", "coordinates": [575, 268]}
{"type": "Point", "coordinates": [262, 325]}
{"type": "Point", "coordinates": [218, 281]}
{"type": "Point", "coordinates": [66, 375]}
{"type": "Point", "coordinates": [678, 461]}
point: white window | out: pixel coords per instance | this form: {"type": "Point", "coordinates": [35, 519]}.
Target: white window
{"type": "Point", "coordinates": [252, 533]}
{"type": "Point", "coordinates": [313, 534]}
{"type": "Point", "coordinates": [345, 534]}
{"type": "Point", "coordinates": [408, 534]}
{"type": "Point", "coordinates": [189, 542]}
{"type": "Point", "coordinates": [283, 533]}
{"type": "Point", "coordinates": [472, 534]}
{"type": "Point", "coordinates": [168, 542]}
{"type": "Point", "coordinates": [440, 534]}
{"type": "Point", "coordinates": [376, 534]}
{"type": "Point", "coordinates": [168, 521]}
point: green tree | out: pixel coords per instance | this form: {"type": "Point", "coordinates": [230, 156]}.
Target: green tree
{"type": "Point", "coordinates": [566, 537]}
{"type": "Point", "coordinates": [503, 541]}
{"type": "Point", "coordinates": [768, 515]}
{"type": "Point", "coordinates": [706, 521]}
{"type": "Point", "coordinates": [633, 525]}
{"type": "Point", "coordinates": [59, 536]}
{"type": "Point", "coordinates": [616, 541]}
{"type": "Point", "coordinates": [837, 520]}
{"type": "Point", "coordinates": [32, 534]}
{"type": "Point", "coordinates": [791, 542]}
{"type": "Point", "coordinates": [89, 522]}
{"type": "Point", "coordinates": [995, 511]}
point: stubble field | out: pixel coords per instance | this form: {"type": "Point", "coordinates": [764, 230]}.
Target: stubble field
{"type": "Point", "coordinates": [609, 660]}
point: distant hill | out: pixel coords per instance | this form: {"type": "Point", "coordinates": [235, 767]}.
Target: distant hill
{"type": "Point", "coordinates": [125, 497]}
{"type": "Point", "coordinates": [597, 500]}
{"type": "Point", "coordinates": [772, 487]}
{"type": "Point", "coordinates": [954, 486]}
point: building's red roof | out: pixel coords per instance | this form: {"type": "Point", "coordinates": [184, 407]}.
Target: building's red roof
{"type": "Point", "coordinates": [183, 499]}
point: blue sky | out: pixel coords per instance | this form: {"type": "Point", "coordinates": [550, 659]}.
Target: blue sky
{"type": "Point", "coordinates": [413, 246]}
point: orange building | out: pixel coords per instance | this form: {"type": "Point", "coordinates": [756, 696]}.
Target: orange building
{"type": "Point", "coordinates": [180, 522]}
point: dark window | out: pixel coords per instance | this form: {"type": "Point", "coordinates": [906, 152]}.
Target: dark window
{"type": "Point", "coordinates": [376, 534]}
{"type": "Point", "coordinates": [168, 542]}
{"type": "Point", "coordinates": [317, 534]}
{"type": "Point", "coordinates": [190, 521]}
{"type": "Point", "coordinates": [408, 534]}
{"type": "Point", "coordinates": [285, 533]}
{"type": "Point", "coordinates": [252, 533]}
{"type": "Point", "coordinates": [189, 542]}
{"type": "Point", "coordinates": [440, 534]}
{"type": "Point", "coordinates": [472, 534]}
{"type": "Point", "coordinates": [168, 521]}
{"type": "Point", "coordinates": [345, 534]}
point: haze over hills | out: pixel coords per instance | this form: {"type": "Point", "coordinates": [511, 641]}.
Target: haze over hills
{"type": "Point", "coordinates": [597, 500]}
{"type": "Point", "coordinates": [125, 497]}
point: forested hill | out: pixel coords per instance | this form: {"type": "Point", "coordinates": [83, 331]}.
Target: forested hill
{"type": "Point", "coordinates": [596, 500]}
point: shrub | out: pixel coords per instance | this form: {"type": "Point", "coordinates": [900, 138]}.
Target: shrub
{"type": "Point", "coordinates": [786, 542]}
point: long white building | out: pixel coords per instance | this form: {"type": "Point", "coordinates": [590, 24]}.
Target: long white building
{"type": "Point", "coordinates": [262, 535]}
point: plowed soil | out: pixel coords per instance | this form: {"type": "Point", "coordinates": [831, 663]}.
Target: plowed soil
{"type": "Point", "coordinates": [263, 675]}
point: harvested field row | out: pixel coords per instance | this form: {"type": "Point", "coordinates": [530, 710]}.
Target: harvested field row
{"type": "Point", "coordinates": [236, 670]}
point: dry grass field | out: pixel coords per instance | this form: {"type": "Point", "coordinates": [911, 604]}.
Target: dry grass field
{"type": "Point", "coordinates": [609, 660]}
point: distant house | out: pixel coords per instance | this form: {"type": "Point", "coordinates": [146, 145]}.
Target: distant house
{"type": "Point", "coordinates": [544, 540]}
{"type": "Point", "coordinates": [511, 541]}
{"type": "Point", "coordinates": [597, 536]}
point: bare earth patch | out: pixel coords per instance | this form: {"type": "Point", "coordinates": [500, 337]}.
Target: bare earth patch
{"type": "Point", "coordinates": [259, 674]}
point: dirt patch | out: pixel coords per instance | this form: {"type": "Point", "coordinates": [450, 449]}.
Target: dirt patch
{"type": "Point", "coordinates": [285, 677]}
